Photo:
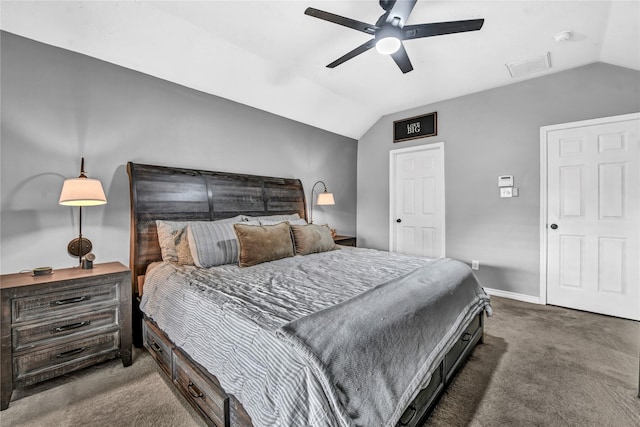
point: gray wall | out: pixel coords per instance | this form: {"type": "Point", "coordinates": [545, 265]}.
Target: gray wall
{"type": "Point", "coordinates": [58, 106]}
{"type": "Point", "coordinates": [487, 134]}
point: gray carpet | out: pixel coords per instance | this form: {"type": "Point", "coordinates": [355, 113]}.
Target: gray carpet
{"type": "Point", "coordinates": [547, 366]}
{"type": "Point", "coordinates": [104, 395]}
{"type": "Point", "coordinates": [539, 366]}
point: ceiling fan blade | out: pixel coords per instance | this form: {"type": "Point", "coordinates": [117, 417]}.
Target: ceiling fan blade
{"type": "Point", "coordinates": [402, 59]}
{"type": "Point", "coordinates": [440, 28]}
{"type": "Point", "coordinates": [341, 20]}
{"type": "Point", "coordinates": [355, 52]}
{"type": "Point", "coordinates": [401, 9]}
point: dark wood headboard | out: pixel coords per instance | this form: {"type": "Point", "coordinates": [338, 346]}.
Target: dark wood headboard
{"type": "Point", "coordinates": [159, 192]}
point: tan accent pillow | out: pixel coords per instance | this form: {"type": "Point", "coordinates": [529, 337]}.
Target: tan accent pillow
{"type": "Point", "coordinates": [262, 243]}
{"type": "Point", "coordinates": [312, 238]}
{"type": "Point", "coordinates": [183, 251]}
{"type": "Point", "coordinates": [167, 238]}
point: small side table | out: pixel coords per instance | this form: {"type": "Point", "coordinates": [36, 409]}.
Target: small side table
{"type": "Point", "coordinates": [345, 240]}
{"type": "Point", "coordinates": [57, 323]}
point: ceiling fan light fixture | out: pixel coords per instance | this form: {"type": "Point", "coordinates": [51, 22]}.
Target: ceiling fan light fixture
{"type": "Point", "coordinates": [390, 31]}
{"type": "Point", "coordinates": [388, 45]}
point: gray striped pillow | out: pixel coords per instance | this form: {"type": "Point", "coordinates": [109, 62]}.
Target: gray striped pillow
{"type": "Point", "coordinates": [167, 233]}
{"type": "Point", "coordinates": [212, 243]}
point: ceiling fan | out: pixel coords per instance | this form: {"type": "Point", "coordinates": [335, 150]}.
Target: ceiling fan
{"type": "Point", "coordinates": [391, 29]}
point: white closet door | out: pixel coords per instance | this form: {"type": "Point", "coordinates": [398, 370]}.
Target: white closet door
{"type": "Point", "coordinates": [593, 216]}
{"type": "Point", "coordinates": [417, 201]}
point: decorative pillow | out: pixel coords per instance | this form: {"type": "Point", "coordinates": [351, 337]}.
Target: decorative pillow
{"type": "Point", "coordinates": [212, 243]}
{"type": "Point", "coordinates": [262, 243]}
{"type": "Point", "coordinates": [182, 247]}
{"type": "Point", "coordinates": [166, 237]}
{"type": "Point", "coordinates": [312, 238]}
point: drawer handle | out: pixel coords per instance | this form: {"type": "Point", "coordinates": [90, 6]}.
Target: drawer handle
{"type": "Point", "coordinates": [194, 390]}
{"type": "Point", "coordinates": [466, 337]}
{"type": "Point", "coordinates": [71, 300]}
{"type": "Point", "coordinates": [413, 408]}
{"type": "Point", "coordinates": [71, 352]}
{"type": "Point", "coordinates": [155, 347]}
{"type": "Point", "coordinates": [71, 326]}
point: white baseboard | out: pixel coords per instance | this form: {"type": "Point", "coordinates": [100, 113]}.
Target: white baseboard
{"type": "Point", "coordinates": [513, 295]}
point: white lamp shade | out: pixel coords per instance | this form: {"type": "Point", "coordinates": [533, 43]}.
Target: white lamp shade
{"type": "Point", "coordinates": [82, 192]}
{"type": "Point", "coordinates": [325, 198]}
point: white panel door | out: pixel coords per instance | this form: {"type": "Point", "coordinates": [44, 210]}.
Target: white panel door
{"type": "Point", "coordinates": [593, 217]}
{"type": "Point", "coordinates": [417, 201]}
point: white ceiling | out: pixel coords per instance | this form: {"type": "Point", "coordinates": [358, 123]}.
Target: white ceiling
{"type": "Point", "coordinates": [269, 55]}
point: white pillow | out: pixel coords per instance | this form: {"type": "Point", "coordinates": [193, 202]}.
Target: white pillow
{"type": "Point", "coordinates": [278, 218]}
{"type": "Point", "coordinates": [212, 243]}
{"type": "Point", "coordinates": [167, 230]}
{"type": "Point", "coordinates": [298, 221]}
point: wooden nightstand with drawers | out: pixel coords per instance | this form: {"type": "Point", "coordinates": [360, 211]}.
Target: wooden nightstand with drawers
{"type": "Point", "coordinates": [67, 320]}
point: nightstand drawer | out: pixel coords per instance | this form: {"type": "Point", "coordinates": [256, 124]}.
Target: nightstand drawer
{"type": "Point", "coordinates": [57, 303]}
{"type": "Point", "coordinates": [208, 397]}
{"type": "Point", "coordinates": [157, 345]}
{"type": "Point", "coordinates": [28, 336]}
{"type": "Point", "coordinates": [37, 362]}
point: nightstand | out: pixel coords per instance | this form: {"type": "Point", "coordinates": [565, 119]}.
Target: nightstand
{"type": "Point", "coordinates": [57, 323]}
{"type": "Point", "coordinates": [345, 240]}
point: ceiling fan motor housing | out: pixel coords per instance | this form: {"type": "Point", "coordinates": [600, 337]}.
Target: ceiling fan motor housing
{"type": "Point", "coordinates": [387, 4]}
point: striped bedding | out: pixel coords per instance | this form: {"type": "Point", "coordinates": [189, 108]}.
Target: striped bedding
{"type": "Point", "coordinates": [226, 319]}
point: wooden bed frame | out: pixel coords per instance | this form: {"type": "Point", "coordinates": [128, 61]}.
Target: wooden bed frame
{"type": "Point", "coordinates": [168, 193]}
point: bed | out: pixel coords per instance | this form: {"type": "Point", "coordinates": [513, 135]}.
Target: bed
{"type": "Point", "coordinates": [346, 336]}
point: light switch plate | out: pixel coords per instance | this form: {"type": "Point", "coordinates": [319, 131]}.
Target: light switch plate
{"type": "Point", "coordinates": [506, 192]}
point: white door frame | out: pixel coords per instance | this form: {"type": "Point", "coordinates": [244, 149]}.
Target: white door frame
{"type": "Point", "coordinates": [439, 146]}
{"type": "Point", "coordinates": [543, 187]}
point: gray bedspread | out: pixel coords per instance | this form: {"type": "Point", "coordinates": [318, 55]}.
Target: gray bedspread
{"type": "Point", "coordinates": [228, 319]}
{"type": "Point", "coordinates": [374, 352]}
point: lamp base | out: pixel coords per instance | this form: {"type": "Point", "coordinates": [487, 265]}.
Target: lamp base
{"type": "Point", "coordinates": [74, 247]}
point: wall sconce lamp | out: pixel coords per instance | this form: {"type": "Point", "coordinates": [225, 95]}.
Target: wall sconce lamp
{"type": "Point", "coordinates": [324, 198]}
{"type": "Point", "coordinates": [81, 191]}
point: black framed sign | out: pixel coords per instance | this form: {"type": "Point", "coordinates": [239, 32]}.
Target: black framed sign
{"type": "Point", "coordinates": [415, 127]}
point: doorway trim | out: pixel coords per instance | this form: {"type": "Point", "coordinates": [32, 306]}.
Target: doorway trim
{"type": "Point", "coordinates": [439, 147]}
{"type": "Point", "coordinates": [544, 131]}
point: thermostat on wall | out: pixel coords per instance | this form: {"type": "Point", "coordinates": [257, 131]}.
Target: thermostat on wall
{"type": "Point", "coordinates": [505, 181]}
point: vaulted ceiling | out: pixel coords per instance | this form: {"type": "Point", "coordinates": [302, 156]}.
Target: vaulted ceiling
{"type": "Point", "coordinates": [270, 55]}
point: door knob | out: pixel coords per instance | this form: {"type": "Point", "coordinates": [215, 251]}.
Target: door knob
{"type": "Point", "coordinates": [554, 226]}
{"type": "Point", "coordinates": [398, 220]}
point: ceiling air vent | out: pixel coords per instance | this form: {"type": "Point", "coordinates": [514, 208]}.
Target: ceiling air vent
{"type": "Point", "coordinates": [529, 66]}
